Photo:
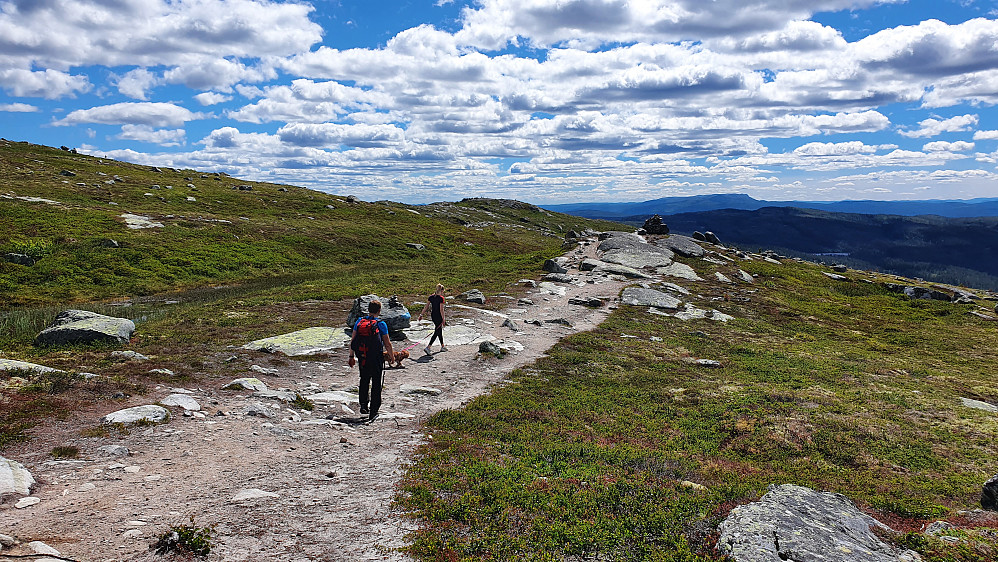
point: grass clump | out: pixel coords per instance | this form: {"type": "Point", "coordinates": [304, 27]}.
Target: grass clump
{"type": "Point", "coordinates": [65, 452]}
{"type": "Point", "coordinates": [302, 403]}
{"type": "Point", "coordinates": [186, 539]}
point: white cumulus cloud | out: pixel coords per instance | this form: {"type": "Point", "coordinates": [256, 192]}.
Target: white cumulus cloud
{"type": "Point", "coordinates": [152, 114]}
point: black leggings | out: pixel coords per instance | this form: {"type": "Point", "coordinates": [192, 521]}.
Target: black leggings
{"type": "Point", "coordinates": [438, 332]}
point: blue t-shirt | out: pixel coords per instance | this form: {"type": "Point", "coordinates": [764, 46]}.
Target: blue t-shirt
{"type": "Point", "coordinates": [382, 330]}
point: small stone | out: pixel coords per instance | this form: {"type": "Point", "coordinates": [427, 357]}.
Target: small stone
{"type": "Point", "coordinates": [252, 494]}
{"type": "Point", "coordinates": [247, 383]}
{"type": "Point", "coordinates": [113, 451]}
{"type": "Point", "coordinates": [87, 487]}
{"type": "Point", "coordinates": [183, 401]}
{"type": "Point", "coordinates": [131, 534]}
{"type": "Point", "coordinates": [133, 469]}
{"type": "Point", "coordinates": [164, 372]}
{"type": "Point", "coordinates": [27, 502]}
{"type": "Point", "coordinates": [264, 370]}
{"type": "Point", "coordinates": [7, 540]}
{"type": "Point", "coordinates": [38, 547]}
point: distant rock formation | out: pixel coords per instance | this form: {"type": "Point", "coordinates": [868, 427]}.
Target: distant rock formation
{"type": "Point", "coordinates": [654, 225]}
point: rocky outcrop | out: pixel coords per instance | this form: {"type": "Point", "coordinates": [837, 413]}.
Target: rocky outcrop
{"type": "Point", "coordinates": [81, 326]}
{"type": "Point", "coordinates": [989, 494]}
{"type": "Point", "coordinates": [393, 312]}
{"type": "Point", "coordinates": [796, 523]}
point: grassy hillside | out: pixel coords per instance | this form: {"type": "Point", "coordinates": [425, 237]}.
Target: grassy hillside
{"type": "Point", "coordinates": [618, 447]}
{"type": "Point", "coordinates": [229, 266]}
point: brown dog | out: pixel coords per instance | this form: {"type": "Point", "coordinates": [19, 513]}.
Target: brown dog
{"type": "Point", "coordinates": [397, 359]}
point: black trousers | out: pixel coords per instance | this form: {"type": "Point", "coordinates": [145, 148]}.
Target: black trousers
{"type": "Point", "coordinates": [371, 377]}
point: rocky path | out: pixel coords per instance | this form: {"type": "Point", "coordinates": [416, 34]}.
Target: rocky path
{"type": "Point", "coordinates": [283, 484]}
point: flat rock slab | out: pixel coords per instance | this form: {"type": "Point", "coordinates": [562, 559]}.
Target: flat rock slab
{"type": "Point", "coordinates": [139, 221]}
{"type": "Point", "coordinates": [552, 289]}
{"type": "Point", "coordinates": [128, 416]}
{"type": "Point", "coordinates": [333, 397]}
{"type": "Point", "coordinates": [412, 389]}
{"type": "Point", "coordinates": [637, 259]}
{"type": "Point", "coordinates": [282, 395]}
{"type": "Point", "coordinates": [14, 478]}
{"type": "Point", "coordinates": [693, 313]}
{"type": "Point", "coordinates": [303, 342]}
{"type": "Point", "coordinates": [82, 326]}
{"type": "Point", "coordinates": [11, 365]}
{"type": "Point", "coordinates": [638, 296]}
{"type": "Point", "coordinates": [453, 335]}
{"type": "Point", "coordinates": [679, 270]}
{"type": "Point", "coordinates": [182, 400]}
{"type": "Point", "coordinates": [796, 523]}
{"type": "Point", "coordinates": [246, 383]}
{"type": "Point", "coordinates": [978, 405]}
{"type": "Point", "coordinates": [608, 268]}
{"type": "Point", "coordinates": [253, 494]}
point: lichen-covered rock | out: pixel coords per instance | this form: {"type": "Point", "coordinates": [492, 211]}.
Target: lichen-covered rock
{"type": "Point", "coordinates": [183, 401]}
{"type": "Point", "coordinates": [12, 365]}
{"type": "Point", "coordinates": [81, 326]}
{"type": "Point", "coordinates": [138, 414]}
{"type": "Point", "coordinates": [14, 478]}
{"type": "Point", "coordinates": [638, 296]}
{"type": "Point", "coordinates": [796, 523]}
{"type": "Point", "coordinates": [309, 341]}
{"type": "Point", "coordinates": [636, 258]}
{"type": "Point", "coordinates": [679, 270]}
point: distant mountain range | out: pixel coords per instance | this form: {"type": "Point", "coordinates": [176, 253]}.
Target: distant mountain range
{"type": "Point", "coordinates": [984, 207]}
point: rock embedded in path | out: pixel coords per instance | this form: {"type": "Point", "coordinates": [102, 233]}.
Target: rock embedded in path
{"type": "Point", "coordinates": [607, 268]}
{"type": "Point", "coordinates": [638, 296]}
{"type": "Point", "coordinates": [113, 451]}
{"type": "Point", "coordinates": [409, 389]}
{"type": "Point", "coordinates": [246, 383]}
{"type": "Point", "coordinates": [249, 494]}
{"type": "Point", "coordinates": [81, 326]}
{"type": "Point", "coordinates": [333, 397]}
{"type": "Point", "coordinates": [553, 266]}
{"type": "Point", "coordinates": [796, 523]}
{"type": "Point", "coordinates": [27, 502]}
{"type": "Point", "coordinates": [637, 259]}
{"type": "Point", "coordinates": [309, 341]}
{"type": "Point", "coordinates": [14, 478]}
{"type": "Point", "coordinates": [138, 414]}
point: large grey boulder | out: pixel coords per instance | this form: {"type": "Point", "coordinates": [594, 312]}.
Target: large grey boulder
{"type": "Point", "coordinates": [638, 296]}
{"type": "Point", "coordinates": [553, 266]}
{"type": "Point", "coordinates": [393, 312]}
{"type": "Point", "coordinates": [924, 293]}
{"type": "Point", "coordinates": [621, 241]}
{"type": "Point", "coordinates": [14, 478]}
{"type": "Point", "coordinates": [682, 245]}
{"type": "Point", "coordinates": [796, 523]}
{"type": "Point", "coordinates": [989, 493]}
{"type": "Point", "coordinates": [81, 326]}
{"type": "Point", "coordinates": [608, 268]}
{"type": "Point", "coordinates": [637, 259]}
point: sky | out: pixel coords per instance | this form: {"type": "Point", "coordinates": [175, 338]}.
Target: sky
{"type": "Point", "coordinates": [545, 101]}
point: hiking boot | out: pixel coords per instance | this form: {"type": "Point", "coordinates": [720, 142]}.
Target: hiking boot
{"type": "Point", "coordinates": [364, 410]}
{"type": "Point", "coordinates": [427, 350]}
{"type": "Point", "coordinates": [443, 348]}
{"type": "Point", "coordinates": [372, 416]}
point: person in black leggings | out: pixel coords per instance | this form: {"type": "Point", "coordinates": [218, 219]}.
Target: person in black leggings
{"type": "Point", "coordinates": [435, 306]}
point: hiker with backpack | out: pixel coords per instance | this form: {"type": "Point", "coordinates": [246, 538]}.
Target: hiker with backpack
{"type": "Point", "coordinates": [369, 342]}
{"type": "Point", "coordinates": [435, 306]}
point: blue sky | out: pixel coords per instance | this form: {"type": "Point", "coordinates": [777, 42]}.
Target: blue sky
{"type": "Point", "coordinates": [547, 101]}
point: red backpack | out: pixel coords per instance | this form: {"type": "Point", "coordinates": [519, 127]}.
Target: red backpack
{"type": "Point", "coordinates": [367, 340]}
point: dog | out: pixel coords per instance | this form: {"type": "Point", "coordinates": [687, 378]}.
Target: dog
{"type": "Point", "coordinates": [397, 358]}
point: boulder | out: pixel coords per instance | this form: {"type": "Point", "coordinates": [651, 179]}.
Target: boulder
{"type": "Point", "coordinates": [796, 523]}
{"type": "Point", "coordinates": [840, 268]}
{"type": "Point", "coordinates": [654, 225]}
{"type": "Point", "coordinates": [638, 296]}
{"type": "Point", "coordinates": [559, 278]}
{"type": "Point", "coordinates": [699, 236]}
{"type": "Point", "coordinates": [474, 296]}
{"type": "Point", "coordinates": [637, 258]}
{"type": "Point", "coordinates": [617, 269]}
{"type": "Point", "coordinates": [113, 451]}
{"type": "Point", "coordinates": [989, 493]}
{"type": "Point", "coordinates": [415, 246]}
{"type": "Point", "coordinates": [138, 414]}
{"type": "Point", "coordinates": [927, 294]}
{"type": "Point", "coordinates": [620, 241]}
{"type": "Point", "coordinates": [835, 276]}
{"type": "Point", "coordinates": [745, 276]}
{"type": "Point", "coordinates": [14, 478]}
{"type": "Point", "coordinates": [679, 270]}
{"type": "Point", "coordinates": [81, 326]}
{"type": "Point", "coordinates": [393, 312]}
{"type": "Point", "coordinates": [711, 237]}
{"type": "Point", "coordinates": [490, 348]}
{"type": "Point", "coordinates": [19, 259]}
{"type": "Point", "coordinates": [682, 245]}
{"type": "Point", "coordinates": [552, 266]}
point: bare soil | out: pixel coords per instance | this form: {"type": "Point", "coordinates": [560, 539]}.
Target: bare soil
{"type": "Point", "coordinates": [333, 483]}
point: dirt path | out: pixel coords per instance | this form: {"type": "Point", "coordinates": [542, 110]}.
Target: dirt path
{"type": "Point", "coordinates": [332, 483]}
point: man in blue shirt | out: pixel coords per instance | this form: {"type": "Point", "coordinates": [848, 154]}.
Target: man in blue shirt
{"type": "Point", "coordinates": [369, 341]}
